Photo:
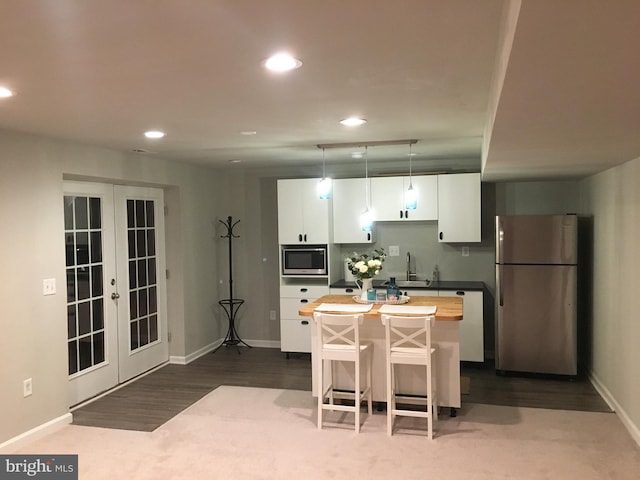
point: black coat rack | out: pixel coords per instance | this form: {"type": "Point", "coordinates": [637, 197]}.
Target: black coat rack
{"type": "Point", "coordinates": [231, 305]}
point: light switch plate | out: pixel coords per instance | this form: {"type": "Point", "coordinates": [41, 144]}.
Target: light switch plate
{"type": "Point", "coordinates": [465, 251]}
{"type": "Point", "coordinates": [49, 286]}
{"type": "Point", "coordinates": [394, 251]}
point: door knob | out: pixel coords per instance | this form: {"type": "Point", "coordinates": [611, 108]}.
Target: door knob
{"type": "Point", "coordinates": [115, 296]}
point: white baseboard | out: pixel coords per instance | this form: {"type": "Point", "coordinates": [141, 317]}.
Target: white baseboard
{"type": "Point", "coordinates": [178, 360]}
{"type": "Point", "coordinates": [633, 429]}
{"type": "Point", "coordinates": [40, 431]}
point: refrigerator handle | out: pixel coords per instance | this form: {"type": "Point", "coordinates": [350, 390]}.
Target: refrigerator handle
{"type": "Point", "coordinates": [499, 239]}
{"type": "Point", "coordinates": [499, 285]}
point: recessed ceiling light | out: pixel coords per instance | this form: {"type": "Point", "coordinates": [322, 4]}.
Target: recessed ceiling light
{"type": "Point", "coordinates": [248, 132]}
{"type": "Point", "coordinates": [5, 92]}
{"type": "Point", "coordinates": [235, 160]}
{"type": "Point", "coordinates": [154, 134]}
{"type": "Point", "coordinates": [353, 121]}
{"type": "Point", "coordinates": [356, 155]}
{"type": "Point", "coordinates": [282, 62]}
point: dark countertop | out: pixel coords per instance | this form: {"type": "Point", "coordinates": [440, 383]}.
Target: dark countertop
{"type": "Point", "coordinates": [443, 285]}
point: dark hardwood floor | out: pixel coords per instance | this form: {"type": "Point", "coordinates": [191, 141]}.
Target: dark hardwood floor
{"type": "Point", "coordinates": [536, 391]}
{"type": "Point", "coordinates": [151, 400]}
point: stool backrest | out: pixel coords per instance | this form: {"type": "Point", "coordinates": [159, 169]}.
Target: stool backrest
{"type": "Point", "coordinates": [408, 332]}
{"type": "Point", "coordinates": [338, 329]}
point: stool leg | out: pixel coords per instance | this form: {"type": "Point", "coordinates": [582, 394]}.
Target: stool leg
{"type": "Point", "coordinates": [320, 383]}
{"type": "Point", "coordinates": [357, 395]}
{"type": "Point", "coordinates": [369, 380]}
{"type": "Point", "coordinates": [429, 403]}
{"type": "Point", "coordinates": [389, 398]}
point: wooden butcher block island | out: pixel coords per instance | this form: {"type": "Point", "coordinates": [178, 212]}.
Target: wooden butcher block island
{"type": "Point", "coordinates": [446, 338]}
{"type": "Point", "coordinates": [448, 308]}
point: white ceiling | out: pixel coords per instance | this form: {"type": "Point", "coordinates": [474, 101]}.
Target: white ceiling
{"type": "Point", "coordinates": [544, 88]}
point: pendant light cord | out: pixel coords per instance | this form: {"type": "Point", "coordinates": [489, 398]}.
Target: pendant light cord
{"type": "Point", "coordinates": [366, 177]}
{"type": "Point", "coordinates": [410, 157]}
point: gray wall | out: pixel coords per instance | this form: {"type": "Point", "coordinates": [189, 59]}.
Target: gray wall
{"type": "Point", "coordinates": [612, 200]}
{"type": "Point", "coordinates": [33, 339]}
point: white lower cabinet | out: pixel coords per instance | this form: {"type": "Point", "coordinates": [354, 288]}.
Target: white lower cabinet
{"type": "Point", "coordinates": [295, 330]}
{"type": "Point", "coordinates": [471, 326]}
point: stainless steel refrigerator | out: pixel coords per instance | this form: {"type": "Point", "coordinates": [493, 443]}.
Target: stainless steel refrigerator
{"type": "Point", "coordinates": [536, 293]}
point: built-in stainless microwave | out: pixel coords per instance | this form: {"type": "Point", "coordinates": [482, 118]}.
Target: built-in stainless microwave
{"type": "Point", "coordinates": [304, 260]}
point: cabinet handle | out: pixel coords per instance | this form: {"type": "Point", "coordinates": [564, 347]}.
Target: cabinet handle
{"type": "Point", "coordinates": [305, 238]}
{"type": "Point", "coordinates": [368, 236]}
{"type": "Point", "coordinates": [304, 290]}
{"type": "Point", "coordinates": [406, 214]}
{"type": "Point", "coordinates": [304, 300]}
{"type": "Point", "coordinates": [400, 213]}
{"type": "Point", "coordinates": [300, 237]}
{"type": "Point", "coordinates": [348, 290]}
{"type": "Point", "coordinates": [459, 292]}
{"type": "Point", "coordinates": [441, 236]}
{"type": "Point", "coordinates": [305, 322]}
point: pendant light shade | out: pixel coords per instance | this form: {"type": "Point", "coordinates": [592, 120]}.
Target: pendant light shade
{"type": "Point", "coordinates": [324, 188]}
{"type": "Point", "coordinates": [411, 195]}
{"type": "Point", "coordinates": [324, 185]}
{"type": "Point", "coordinates": [366, 220]}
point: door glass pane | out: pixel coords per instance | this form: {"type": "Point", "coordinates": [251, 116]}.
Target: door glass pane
{"type": "Point", "coordinates": [141, 235]}
{"type": "Point", "coordinates": [95, 214]}
{"type": "Point", "coordinates": [96, 247]}
{"type": "Point", "coordinates": [81, 213]}
{"type": "Point", "coordinates": [85, 283]}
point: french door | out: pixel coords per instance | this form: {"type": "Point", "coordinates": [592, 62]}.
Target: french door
{"type": "Point", "coordinates": [116, 290]}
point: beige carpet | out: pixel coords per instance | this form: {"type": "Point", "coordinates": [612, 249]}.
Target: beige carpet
{"type": "Point", "coordinates": [253, 433]}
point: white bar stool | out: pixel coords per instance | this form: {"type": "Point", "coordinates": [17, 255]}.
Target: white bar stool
{"type": "Point", "coordinates": [408, 342]}
{"type": "Point", "coordinates": [339, 340]}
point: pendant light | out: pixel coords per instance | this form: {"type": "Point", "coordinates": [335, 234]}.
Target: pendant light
{"type": "Point", "coordinates": [366, 218]}
{"type": "Point", "coordinates": [411, 195]}
{"type": "Point", "coordinates": [324, 185]}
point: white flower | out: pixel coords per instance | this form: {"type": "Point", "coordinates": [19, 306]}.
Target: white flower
{"type": "Point", "coordinates": [366, 265]}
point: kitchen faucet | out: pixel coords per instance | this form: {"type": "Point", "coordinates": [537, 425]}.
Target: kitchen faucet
{"type": "Point", "coordinates": [410, 275]}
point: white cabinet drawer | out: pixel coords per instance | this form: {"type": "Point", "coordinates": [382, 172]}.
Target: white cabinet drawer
{"type": "Point", "coordinates": [345, 291]}
{"type": "Point", "coordinates": [289, 307]}
{"type": "Point", "coordinates": [295, 335]}
{"type": "Point", "coordinates": [303, 291]}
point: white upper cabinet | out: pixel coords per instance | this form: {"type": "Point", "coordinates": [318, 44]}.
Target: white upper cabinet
{"type": "Point", "coordinates": [459, 208]}
{"type": "Point", "coordinates": [388, 198]}
{"type": "Point", "coordinates": [302, 216]}
{"type": "Point", "coordinates": [349, 201]}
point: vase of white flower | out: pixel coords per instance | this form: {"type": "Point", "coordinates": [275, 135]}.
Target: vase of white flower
{"type": "Point", "coordinates": [364, 267]}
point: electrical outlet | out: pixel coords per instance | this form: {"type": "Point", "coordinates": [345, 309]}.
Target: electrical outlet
{"type": "Point", "coordinates": [394, 251]}
{"type": "Point", "coordinates": [272, 314]}
{"type": "Point", "coordinates": [49, 286]}
{"type": "Point", "coordinates": [465, 251]}
{"type": "Point", "coordinates": [27, 387]}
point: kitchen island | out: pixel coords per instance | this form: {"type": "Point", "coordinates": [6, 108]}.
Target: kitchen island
{"type": "Point", "coordinates": [411, 379]}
